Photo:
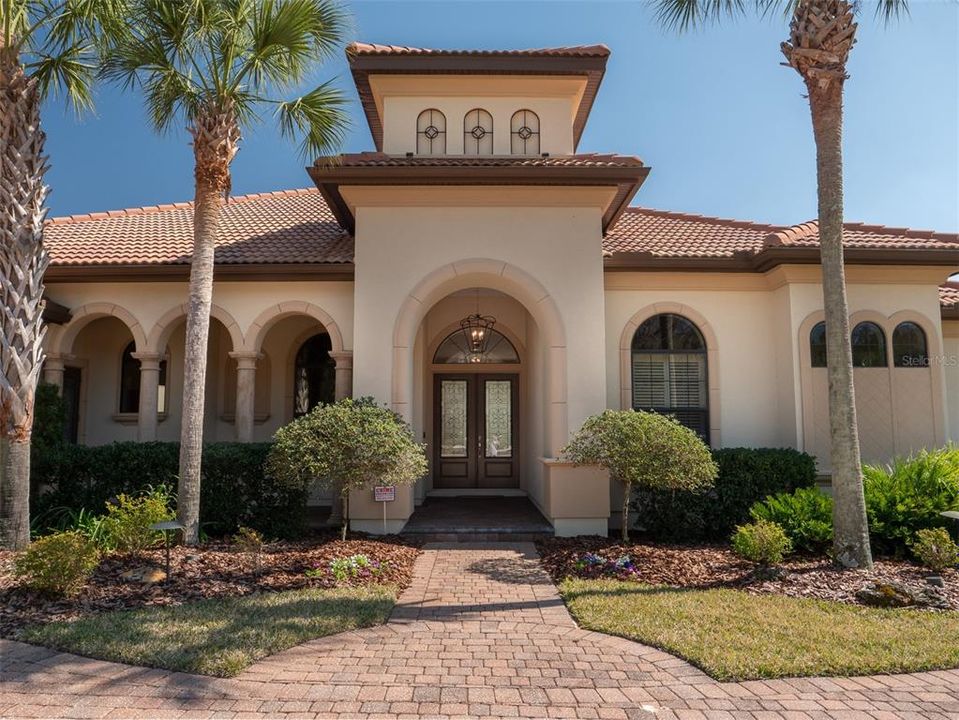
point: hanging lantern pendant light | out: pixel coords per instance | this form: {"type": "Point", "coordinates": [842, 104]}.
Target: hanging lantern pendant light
{"type": "Point", "coordinates": [477, 331]}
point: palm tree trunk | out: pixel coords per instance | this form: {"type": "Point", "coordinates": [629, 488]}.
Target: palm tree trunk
{"type": "Point", "coordinates": [851, 529]}
{"type": "Point", "coordinates": [23, 261]}
{"type": "Point", "coordinates": [821, 35]}
{"type": "Point", "coordinates": [215, 141]}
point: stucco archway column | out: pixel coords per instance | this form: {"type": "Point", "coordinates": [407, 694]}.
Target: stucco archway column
{"type": "Point", "coordinates": [344, 373]}
{"type": "Point", "coordinates": [53, 368]}
{"type": "Point", "coordinates": [245, 393]}
{"type": "Point", "coordinates": [149, 384]}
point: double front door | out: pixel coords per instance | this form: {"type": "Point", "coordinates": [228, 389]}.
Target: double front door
{"type": "Point", "coordinates": [475, 431]}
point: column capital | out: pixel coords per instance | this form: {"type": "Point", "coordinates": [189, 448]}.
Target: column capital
{"type": "Point", "coordinates": [342, 358]}
{"type": "Point", "coordinates": [245, 359]}
{"type": "Point", "coordinates": [148, 360]}
{"type": "Point", "coordinates": [54, 362]}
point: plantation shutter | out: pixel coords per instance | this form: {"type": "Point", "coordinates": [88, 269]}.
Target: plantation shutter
{"type": "Point", "coordinates": [650, 381]}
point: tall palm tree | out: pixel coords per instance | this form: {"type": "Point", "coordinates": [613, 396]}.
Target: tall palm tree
{"type": "Point", "coordinates": [47, 48]}
{"type": "Point", "coordinates": [821, 35]}
{"type": "Point", "coordinates": [215, 64]}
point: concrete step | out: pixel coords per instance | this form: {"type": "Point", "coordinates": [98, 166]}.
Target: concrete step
{"type": "Point", "coordinates": [471, 535]}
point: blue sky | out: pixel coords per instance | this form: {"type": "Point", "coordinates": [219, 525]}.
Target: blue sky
{"type": "Point", "coordinates": [724, 126]}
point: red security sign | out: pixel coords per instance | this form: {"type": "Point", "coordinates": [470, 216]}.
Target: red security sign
{"type": "Point", "coordinates": [386, 493]}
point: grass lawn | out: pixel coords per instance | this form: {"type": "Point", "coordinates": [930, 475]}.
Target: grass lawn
{"type": "Point", "coordinates": [732, 635]}
{"type": "Point", "coordinates": [217, 637]}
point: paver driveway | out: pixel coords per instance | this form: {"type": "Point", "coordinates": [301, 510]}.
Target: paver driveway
{"type": "Point", "coordinates": [481, 632]}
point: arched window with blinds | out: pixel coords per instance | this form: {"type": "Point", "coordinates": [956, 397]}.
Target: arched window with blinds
{"type": "Point", "coordinates": [669, 371]}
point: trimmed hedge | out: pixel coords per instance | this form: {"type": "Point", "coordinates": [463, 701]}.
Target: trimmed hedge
{"type": "Point", "coordinates": [234, 490]}
{"type": "Point", "coordinates": [746, 476]}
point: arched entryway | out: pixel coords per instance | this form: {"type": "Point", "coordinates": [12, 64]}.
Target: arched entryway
{"type": "Point", "coordinates": [474, 371]}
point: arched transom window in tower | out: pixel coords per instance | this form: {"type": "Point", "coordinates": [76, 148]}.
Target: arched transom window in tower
{"type": "Point", "coordinates": [478, 133]}
{"type": "Point", "coordinates": [431, 133]}
{"type": "Point", "coordinates": [524, 133]}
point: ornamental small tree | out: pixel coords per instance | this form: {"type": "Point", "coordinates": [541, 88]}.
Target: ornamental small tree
{"type": "Point", "coordinates": [348, 445]}
{"type": "Point", "coordinates": [643, 449]}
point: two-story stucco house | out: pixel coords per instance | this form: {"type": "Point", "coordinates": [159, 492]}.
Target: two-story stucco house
{"type": "Point", "coordinates": [495, 287]}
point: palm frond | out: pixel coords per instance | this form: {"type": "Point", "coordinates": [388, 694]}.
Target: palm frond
{"type": "Point", "coordinates": [319, 117]}
{"type": "Point", "coordinates": [890, 10]}
{"type": "Point", "coordinates": [684, 15]}
{"type": "Point", "coordinates": [69, 74]}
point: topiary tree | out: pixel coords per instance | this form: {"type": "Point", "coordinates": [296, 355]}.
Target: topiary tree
{"type": "Point", "coordinates": [352, 445]}
{"type": "Point", "coordinates": [643, 449]}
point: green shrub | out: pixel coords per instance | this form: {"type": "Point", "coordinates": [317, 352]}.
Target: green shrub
{"type": "Point", "coordinates": [909, 496]}
{"type": "Point", "coordinates": [58, 564]}
{"type": "Point", "coordinates": [746, 476]}
{"type": "Point", "coordinates": [935, 549]}
{"type": "Point", "coordinates": [250, 542]}
{"type": "Point", "coordinates": [804, 515]}
{"type": "Point", "coordinates": [349, 445]}
{"type": "Point", "coordinates": [128, 520]}
{"type": "Point", "coordinates": [761, 542]}
{"type": "Point", "coordinates": [233, 491]}
{"type": "Point", "coordinates": [642, 450]}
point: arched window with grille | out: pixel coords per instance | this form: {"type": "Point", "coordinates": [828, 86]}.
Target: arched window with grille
{"type": "Point", "coordinates": [669, 371]}
{"type": "Point", "coordinates": [524, 133]}
{"type": "Point", "coordinates": [130, 382]}
{"type": "Point", "coordinates": [817, 345]}
{"type": "Point", "coordinates": [314, 375]}
{"type": "Point", "coordinates": [478, 132]}
{"type": "Point", "coordinates": [909, 348]}
{"type": "Point", "coordinates": [868, 346]}
{"type": "Point", "coordinates": [431, 133]}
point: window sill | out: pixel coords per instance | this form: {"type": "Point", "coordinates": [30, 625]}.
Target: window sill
{"type": "Point", "coordinates": [134, 418]}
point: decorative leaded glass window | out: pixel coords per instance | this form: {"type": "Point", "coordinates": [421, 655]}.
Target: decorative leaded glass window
{"type": "Point", "coordinates": [455, 350]}
{"type": "Point", "coordinates": [817, 345]}
{"type": "Point", "coordinates": [478, 133]}
{"type": "Point", "coordinates": [524, 133]}
{"type": "Point", "coordinates": [431, 133]}
{"type": "Point", "coordinates": [909, 346]}
{"type": "Point", "coordinates": [868, 346]}
{"type": "Point", "coordinates": [314, 376]}
{"type": "Point", "coordinates": [669, 371]}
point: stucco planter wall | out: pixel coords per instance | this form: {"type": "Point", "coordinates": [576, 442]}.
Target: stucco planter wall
{"type": "Point", "coordinates": [366, 515]}
{"type": "Point", "coordinates": [575, 499]}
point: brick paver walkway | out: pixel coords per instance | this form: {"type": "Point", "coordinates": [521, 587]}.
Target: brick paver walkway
{"type": "Point", "coordinates": [481, 632]}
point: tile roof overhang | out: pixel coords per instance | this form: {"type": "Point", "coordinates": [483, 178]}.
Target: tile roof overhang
{"type": "Point", "coordinates": [645, 239]}
{"type": "Point", "coordinates": [624, 173]}
{"type": "Point", "coordinates": [275, 235]}
{"type": "Point", "coordinates": [367, 59]}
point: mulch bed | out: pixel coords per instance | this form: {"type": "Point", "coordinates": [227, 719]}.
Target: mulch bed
{"type": "Point", "coordinates": [208, 571]}
{"type": "Point", "coordinates": [704, 567]}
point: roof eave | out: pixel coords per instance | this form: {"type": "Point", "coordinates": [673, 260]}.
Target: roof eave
{"type": "Point", "coordinates": [175, 272]}
{"type": "Point", "coordinates": [329, 178]}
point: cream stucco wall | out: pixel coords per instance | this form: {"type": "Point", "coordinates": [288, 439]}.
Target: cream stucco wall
{"type": "Point", "coordinates": [747, 371]}
{"type": "Point", "coordinates": [546, 257]}
{"type": "Point", "coordinates": [767, 394]}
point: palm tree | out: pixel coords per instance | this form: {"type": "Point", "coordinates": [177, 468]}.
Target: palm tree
{"type": "Point", "coordinates": [821, 35]}
{"type": "Point", "coordinates": [214, 64]}
{"type": "Point", "coordinates": [47, 48]}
